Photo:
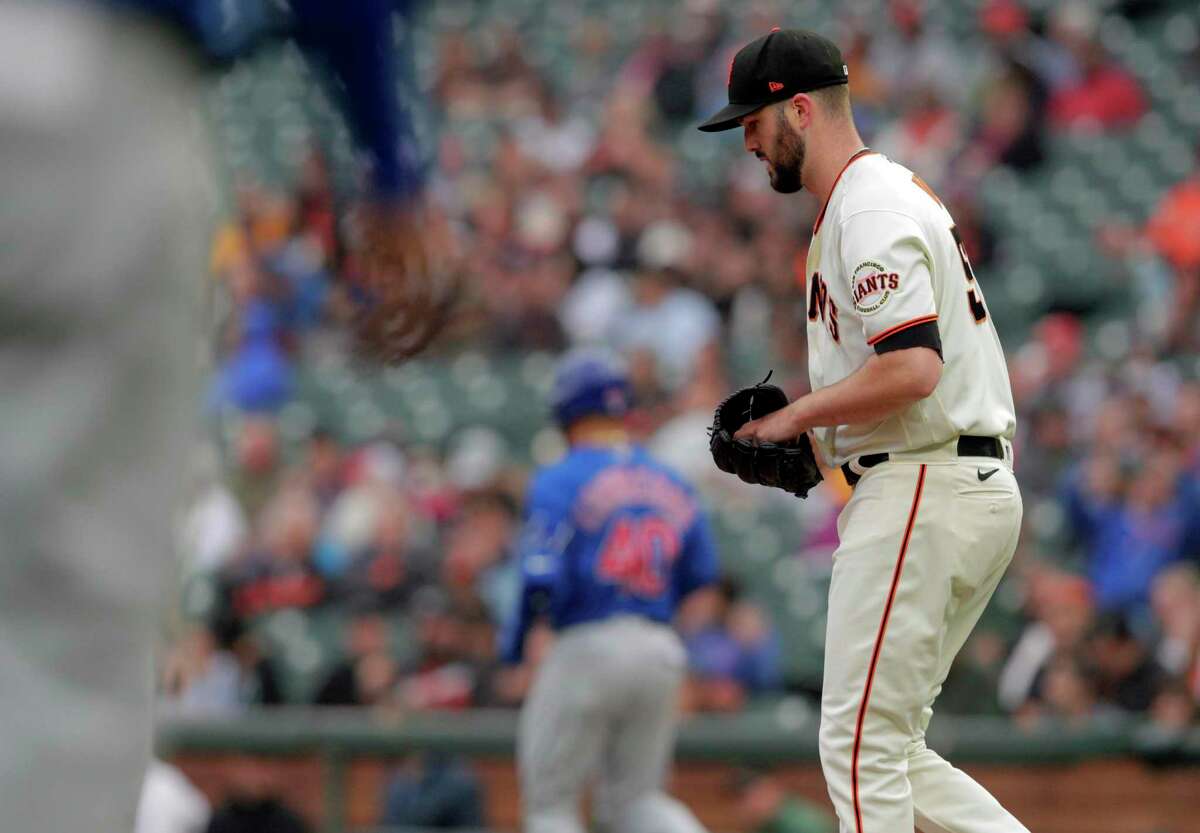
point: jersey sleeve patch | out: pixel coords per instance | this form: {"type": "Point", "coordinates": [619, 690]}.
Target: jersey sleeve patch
{"type": "Point", "coordinates": [886, 263]}
{"type": "Point", "coordinates": [872, 285]}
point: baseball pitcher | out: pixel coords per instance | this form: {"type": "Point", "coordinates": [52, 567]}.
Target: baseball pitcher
{"type": "Point", "coordinates": [612, 542]}
{"type": "Point", "coordinates": [911, 397]}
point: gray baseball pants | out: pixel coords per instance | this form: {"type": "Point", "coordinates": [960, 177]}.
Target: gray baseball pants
{"type": "Point", "coordinates": [103, 227]}
{"type": "Point", "coordinates": [604, 709]}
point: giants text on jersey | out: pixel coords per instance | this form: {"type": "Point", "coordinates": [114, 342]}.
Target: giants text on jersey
{"type": "Point", "coordinates": [885, 264]}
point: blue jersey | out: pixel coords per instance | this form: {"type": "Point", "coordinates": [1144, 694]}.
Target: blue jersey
{"type": "Point", "coordinates": [608, 531]}
{"type": "Point", "coordinates": [352, 38]}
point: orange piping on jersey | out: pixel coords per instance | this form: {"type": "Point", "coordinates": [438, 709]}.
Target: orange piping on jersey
{"type": "Point", "coordinates": [859, 155]}
{"type": "Point", "coordinates": [891, 331]}
{"type": "Point", "coordinates": [879, 636]}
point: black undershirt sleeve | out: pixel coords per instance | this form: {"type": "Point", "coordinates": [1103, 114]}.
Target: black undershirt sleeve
{"type": "Point", "coordinates": [919, 335]}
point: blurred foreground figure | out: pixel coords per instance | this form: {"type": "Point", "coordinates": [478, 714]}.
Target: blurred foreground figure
{"type": "Point", "coordinates": [253, 804]}
{"type": "Point", "coordinates": [103, 236]}
{"type": "Point", "coordinates": [613, 541]}
{"type": "Point", "coordinates": [170, 803]}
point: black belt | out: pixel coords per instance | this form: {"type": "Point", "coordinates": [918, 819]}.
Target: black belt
{"type": "Point", "coordinates": [967, 447]}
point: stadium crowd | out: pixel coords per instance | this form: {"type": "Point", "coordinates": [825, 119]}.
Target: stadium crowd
{"type": "Point", "coordinates": [580, 222]}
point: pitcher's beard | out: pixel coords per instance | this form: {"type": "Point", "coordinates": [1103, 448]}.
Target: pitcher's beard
{"type": "Point", "coordinates": [786, 168]}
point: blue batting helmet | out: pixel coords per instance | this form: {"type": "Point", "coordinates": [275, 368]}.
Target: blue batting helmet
{"type": "Point", "coordinates": [589, 382]}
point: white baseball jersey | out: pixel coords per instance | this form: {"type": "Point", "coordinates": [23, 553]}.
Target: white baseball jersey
{"type": "Point", "coordinates": [886, 264]}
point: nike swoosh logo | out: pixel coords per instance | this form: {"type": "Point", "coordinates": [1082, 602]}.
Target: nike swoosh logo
{"type": "Point", "coordinates": [984, 475]}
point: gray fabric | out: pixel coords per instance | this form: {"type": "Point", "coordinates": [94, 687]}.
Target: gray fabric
{"type": "Point", "coordinates": [604, 707]}
{"type": "Point", "coordinates": [102, 235]}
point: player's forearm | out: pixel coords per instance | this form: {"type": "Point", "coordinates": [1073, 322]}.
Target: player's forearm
{"type": "Point", "coordinates": [887, 384]}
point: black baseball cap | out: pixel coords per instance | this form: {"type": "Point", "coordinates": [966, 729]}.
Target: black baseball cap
{"type": "Point", "coordinates": [778, 65]}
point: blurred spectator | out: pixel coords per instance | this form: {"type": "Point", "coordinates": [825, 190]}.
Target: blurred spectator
{"type": "Point", "coordinates": [316, 215]}
{"type": "Point", "coordinates": [326, 468]}
{"type": "Point", "coordinates": [973, 684]}
{"type": "Point", "coordinates": [374, 475]}
{"type": "Point", "coordinates": [259, 679]}
{"type": "Point", "coordinates": [1175, 598]}
{"type": "Point", "coordinates": [169, 803]}
{"type": "Point", "coordinates": [1133, 525]}
{"type": "Point", "coordinates": [595, 306]}
{"type": "Point", "coordinates": [1127, 675]}
{"type": "Point", "coordinates": [253, 804]}
{"type": "Point", "coordinates": [1019, 67]}
{"type": "Point", "coordinates": [1174, 707]}
{"type": "Point", "coordinates": [1049, 430]}
{"type": "Point", "coordinates": [868, 89]}
{"type": "Point", "coordinates": [1174, 232]}
{"type": "Point", "coordinates": [1174, 229]}
{"type": "Point", "coordinates": [765, 806]}
{"type": "Point", "coordinates": [1186, 424]}
{"type": "Point", "coordinates": [476, 460]}
{"type": "Point", "coordinates": [257, 468]}
{"type": "Point", "coordinates": [1061, 606]}
{"type": "Point", "coordinates": [560, 141]}
{"type": "Point", "coordinates": [1163, 740]}
{"type": "Point", "coordinates": [214, 525]}
{"type": "Point", "coordinates": [474, 568]}
{"type": "Point", "coordinates": [279, 573]}
{"type": "Point", "coordinates": [298, 269]}
{"type": "Point", "coordinates": [626, 148]}
{"type": "Point", "coordinates": [526, 318]}
{"type": "Point", "coordinates": [434, 792]}
{"type": "Point", "coordinates": [1009, 130]}
{"type": "Point", "coordinates": [1102, 95]}
{"type": "Point", "coordinates": [1048, 363]}
{"type": "Point", "coordinates": [925, 137]}
{"type": "Point", "coordinates": [1164, 258]}
{"type": "Point", "coordinates": [200, 679]}
{"type": "Point", "coordinates": [509, 684]}
{"type": "Point", "coordinates": [492, 683]}
{"type": "Point", "coordinates": [368, 673]}
{"type": "Point", "coordinates": [219, 672]}
{"type": "Point", "coordinates": [677, 326]}
{"type": "Point", "coordinates": [682, 443]}
{"type": "Point", "coordinates": [442, 676]}
{"type": "Point", "coordinates": [757, 668]}
{"type": "Point", "coordinates": [910, 51]}
{"type": "Point", "coordinates": [1015, 48]}
{"type": "Point", "coordinates": [256, 375]}
{"type": "Point", "coordinates": [733, 652]}
{"type": "Point", "coordinates": [1068, 697]}
{"type": "Point", "coordinates": [386, 572]}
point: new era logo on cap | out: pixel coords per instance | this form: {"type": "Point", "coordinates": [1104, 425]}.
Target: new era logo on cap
{"type": "Point", "coordinates": [774, 86]}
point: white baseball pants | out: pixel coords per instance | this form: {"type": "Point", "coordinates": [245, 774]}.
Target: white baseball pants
{"type": "Point", "coordinates": [923, 546]}
{"type": "Point", "coordinates": [604, 706]}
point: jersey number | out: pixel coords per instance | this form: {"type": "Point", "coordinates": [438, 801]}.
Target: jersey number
{"type": "Point", "coordinates": [978, 310]}
{"type": "Point", "coordinates": [973, 299]}
{"type": "Point", "coordinates": [637, 554]}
